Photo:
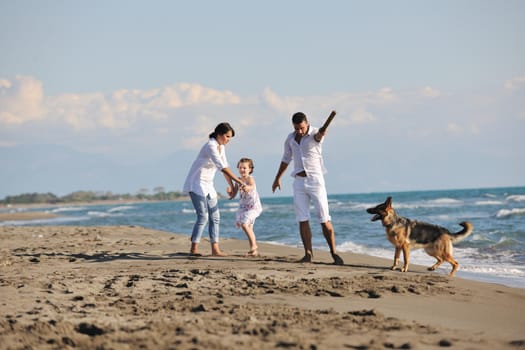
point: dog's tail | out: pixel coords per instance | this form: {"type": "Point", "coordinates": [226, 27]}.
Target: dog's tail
{"type": "Point", "coordinates": [461, 235]}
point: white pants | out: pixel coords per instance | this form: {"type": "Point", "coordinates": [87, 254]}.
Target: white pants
{"type": "Point", "coordinates": [310, 190]}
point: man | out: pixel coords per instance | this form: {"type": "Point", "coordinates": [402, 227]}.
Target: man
{"type": "Point", "coordinates": [304, 147]}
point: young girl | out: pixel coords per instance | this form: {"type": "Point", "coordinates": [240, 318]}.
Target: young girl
{"type": "Point", "coordinates": [199, 185]}
{"type": "Point", "coordinates": [249, 203]}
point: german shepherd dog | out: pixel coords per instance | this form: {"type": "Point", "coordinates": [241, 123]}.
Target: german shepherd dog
{"type": "Point", "coordinates": [406, 234]}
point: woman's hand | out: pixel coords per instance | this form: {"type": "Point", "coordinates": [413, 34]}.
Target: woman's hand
{"type": "Point", "coordinates": [232, 191]}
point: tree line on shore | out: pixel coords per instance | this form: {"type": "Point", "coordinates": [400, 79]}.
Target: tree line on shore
{"type": "Point", "coordinates": [91, 196]}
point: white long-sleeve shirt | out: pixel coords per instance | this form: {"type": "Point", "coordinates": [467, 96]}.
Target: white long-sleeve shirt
{"type": "Point", "coordinates": [211, 157]}
{"type": "Point", "coordinates": [307, 155]}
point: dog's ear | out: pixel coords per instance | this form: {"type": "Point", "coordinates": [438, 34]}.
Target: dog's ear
{"type": "Point", "coordinates": [388, 202]}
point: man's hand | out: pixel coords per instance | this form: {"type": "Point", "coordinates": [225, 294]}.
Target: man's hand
{"type": "Point", "coordinates": [276, 185]}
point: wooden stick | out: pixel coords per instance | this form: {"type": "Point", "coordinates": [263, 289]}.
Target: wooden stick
{"type": "Point", "coordinates": [327, 122]}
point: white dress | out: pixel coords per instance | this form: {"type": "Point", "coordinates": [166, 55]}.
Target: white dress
{"type": "Point", "coordinates": [249, 207]}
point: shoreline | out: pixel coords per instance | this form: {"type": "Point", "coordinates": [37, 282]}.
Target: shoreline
{"type": "Point", "coordinates": [28, 216]}
{"type": "Point", "coordinates": [92, 203]}
{"type": "Point", "coordinates": [131, 287]}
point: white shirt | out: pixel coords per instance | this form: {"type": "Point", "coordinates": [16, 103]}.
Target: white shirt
{"type": "Point", "coordinates": [211, 157]}
{"type": "Point", "coordinates": [307, 155]}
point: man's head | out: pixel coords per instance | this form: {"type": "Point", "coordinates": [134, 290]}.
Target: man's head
{"type": "Point", "coordinates": [300, 123]}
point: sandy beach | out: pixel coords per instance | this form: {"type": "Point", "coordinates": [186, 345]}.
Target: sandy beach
{"type": "Point", "coordinates": [20, 216]}
{"type": "Point", "coordinates": [128, 287]}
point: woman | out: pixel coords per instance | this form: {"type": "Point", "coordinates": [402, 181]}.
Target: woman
{"type": "Point", "coordinates": [199, 185]}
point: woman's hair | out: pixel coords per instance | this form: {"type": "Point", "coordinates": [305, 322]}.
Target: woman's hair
{"type": "Point", "coordinates": [222, 129]}
{"type": "Point", "coordinates": [246, 160]}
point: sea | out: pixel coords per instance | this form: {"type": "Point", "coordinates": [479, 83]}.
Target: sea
{"type": "Point", "coordinates": [494, 252]}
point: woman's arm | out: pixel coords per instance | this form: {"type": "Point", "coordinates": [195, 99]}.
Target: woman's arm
{"type": "Point", "coordinates": [230, 178]}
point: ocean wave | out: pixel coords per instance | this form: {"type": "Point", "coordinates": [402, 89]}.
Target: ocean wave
{"type": "Point", "coordinates": [353, 247]}
{"type": "Point", "coordinates": [50, 221]}
{"type": "Point", "coordinates": [102, 214]}
{"type": "Point", "coordinates": [13, 210]}
{"type": "Point", "coordinates": [477, 237]}
{"type": "Point", "coordinates": [445, 201]}
{"type": "Point", "coordinates": [121, 208]}
{"type": "Point", "coordinates": [471, 259]}
{"type": "Point", "coordinates": [494, 270]}
{"type": "Point", "coordinates": [489, 203]}
{"type": "Point", "coordinates": [352, 206]}
{"type": "Point", "coordinates": [504, 213]}
{"type": "Point", "coordinates": [441, 217]}
{"type": "Point", "coordinates": [506, 242]}
{"type": "Point", "coordinates": [67, 209]}
{"type": "Point", "coordinates": [438, 202]}
{"type": "Point", "coordinates": [398, 205]}
{"type": "Point", "coordinates": [516, 198]}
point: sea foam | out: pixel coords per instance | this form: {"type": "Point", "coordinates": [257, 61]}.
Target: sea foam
{"type": "Point", "coordinates": [504, 213]}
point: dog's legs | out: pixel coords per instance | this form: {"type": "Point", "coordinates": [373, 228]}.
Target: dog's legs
{"type": "Point", "coordinates": [442, 254]}
{"type": "Point", "coordinates": [437, 264]}
{"type": "Point", "coordinates": [448, 257]}
{"type": "Point", "coordinates": [454, 264]}
{"type": "Point", "coordinates": [396, 258]}
{"type": "Point", "coordinates": [406, 257]}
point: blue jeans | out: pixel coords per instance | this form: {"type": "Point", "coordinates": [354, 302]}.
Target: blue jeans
{"type": "Point", "coordinates": [207, 209]}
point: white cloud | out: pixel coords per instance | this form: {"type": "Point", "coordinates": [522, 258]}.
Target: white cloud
{"type": "Point", "coordinates": [454, 128]}
{"type": "Point", "coordinates": [195, 131]}
{"type": "Point", "coordinates": [475, 129]}
{"type": "Point", "coordinates": [514, 83]}
{"type": "Point", "coordinates": [362, 116]}
{"type": "Point", "coordinates": [5, 84]}
{"type": "Point", "coordinates": [284, 104]}
{"type": "Point", "coordinates": [386, 94]}
{"type": "Point", "coordinates": [180, 116]}
{"type": "Point", "coordinates": [198, 94]}
{"type": "Point", "coordinates": [430, 92]}
{"type": "Point", "coordinates": [78, 111]}
{"type": "Point", "coordinates": [21, 100]}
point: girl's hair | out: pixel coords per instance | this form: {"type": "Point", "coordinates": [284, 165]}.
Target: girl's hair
{"type": "Point", "coordinates": [246, 160]}
{"type": "Point", "coordinates": [222, 129]}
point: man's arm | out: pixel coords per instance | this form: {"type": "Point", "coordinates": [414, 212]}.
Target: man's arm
{"type": "Point", "coordinates": [277, 182]}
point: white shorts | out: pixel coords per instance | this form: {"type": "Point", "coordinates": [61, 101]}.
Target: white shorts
{"type": "Point", "coordinates": [310, 190]}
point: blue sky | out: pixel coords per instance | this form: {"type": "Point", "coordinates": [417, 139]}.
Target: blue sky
{"type": "Point", "coordinates": [430, 95]}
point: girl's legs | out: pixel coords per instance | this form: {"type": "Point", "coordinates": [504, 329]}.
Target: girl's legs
{"type": "Point", "coordinates": [248, 229]}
